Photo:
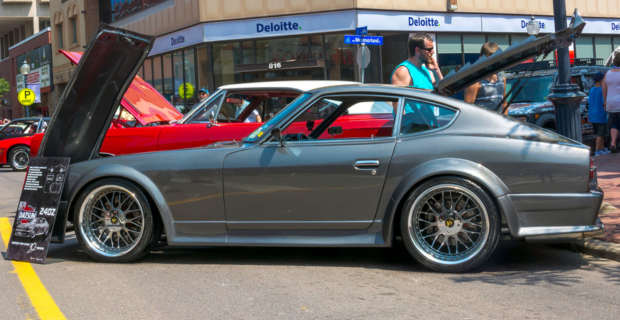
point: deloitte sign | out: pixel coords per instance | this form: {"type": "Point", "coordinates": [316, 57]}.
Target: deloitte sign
{"type": "Point", "coordinates": [423, 22]}
{"type": "Point", "coordinates": [282, 26]}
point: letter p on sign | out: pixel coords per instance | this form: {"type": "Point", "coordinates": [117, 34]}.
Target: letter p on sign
{"type": "Point", "coordinates": [26, 97]}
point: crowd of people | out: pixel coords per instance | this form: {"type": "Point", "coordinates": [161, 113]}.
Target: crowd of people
{"type": "Point", "coordinates": [604, 109]}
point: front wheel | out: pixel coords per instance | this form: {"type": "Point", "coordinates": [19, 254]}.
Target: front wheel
{"type": "Point", "coordinates": [19, 158]}
{"type": "Point", "coordinates": [114, 221]}
{"type": "Point", "coordinates": [450, 224]}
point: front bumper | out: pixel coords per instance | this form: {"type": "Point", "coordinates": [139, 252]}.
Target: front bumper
{"type": "Point", "coordinates": [536, 215]}
{"type": "Point", "coordinates": [24, 233]}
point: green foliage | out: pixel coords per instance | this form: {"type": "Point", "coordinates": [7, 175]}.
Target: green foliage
{"type": "Point", "coordinates": [4, 86]}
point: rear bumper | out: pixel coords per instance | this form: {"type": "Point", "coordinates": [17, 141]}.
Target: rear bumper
{"type": "Point", "coordinates": [535, 215]}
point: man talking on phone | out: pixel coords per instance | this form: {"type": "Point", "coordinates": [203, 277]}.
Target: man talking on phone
{"type": "Point", "coordinates": [413, 72]}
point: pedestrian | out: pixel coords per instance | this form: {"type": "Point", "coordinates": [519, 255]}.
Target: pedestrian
{"type": "Point", "coordinates": [597, 115]}
{"type": "Point", "coordinates": [415, 71]}
{"type": "Point", "coordinates": [203, 94]}
{"type": "Point", "coordinates": [611, 101]}
{"type": "Point", "coordinates": [489, 92]}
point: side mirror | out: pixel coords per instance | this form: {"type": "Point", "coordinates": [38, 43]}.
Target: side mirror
{"type": "Point", "coordinates": [334, 131]}
{"type": "Point", "coordinates": [277, 133]}
{"type": "Point", "coordinates": [212, 119]}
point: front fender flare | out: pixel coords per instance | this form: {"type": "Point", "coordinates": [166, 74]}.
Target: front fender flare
{"type": "Point", "coordinates": [442, 167]}
{"type": "Point", "coordinates": [128, 173]}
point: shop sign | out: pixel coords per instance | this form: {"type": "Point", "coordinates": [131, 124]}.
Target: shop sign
{"type": "Point", "coordinates": [37, 210]}
{"type": "Point", "coordinates": [601, 26]}
{"type": "Point", "coordinates": [186, 91]}
{"type": "Point", "coordinates": [419, 21]}
{"type": "Point", "coordinates": [177, 40]}
{"type": "Point", "coordinates": [281, 26]}
{"type": "Point", "coordinates": [515, 24]}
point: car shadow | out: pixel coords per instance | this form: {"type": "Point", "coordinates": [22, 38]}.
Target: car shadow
{"type": "Point", "coordinates": [512, 264]}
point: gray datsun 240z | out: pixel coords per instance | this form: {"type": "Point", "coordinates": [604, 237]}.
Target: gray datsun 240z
{"type": "Point", "coordinates": [346, 165]}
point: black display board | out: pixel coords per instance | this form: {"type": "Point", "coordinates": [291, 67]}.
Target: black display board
{"type": "Point", "coordinates": [37, 209]}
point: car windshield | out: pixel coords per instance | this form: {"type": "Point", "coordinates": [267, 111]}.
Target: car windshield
{"type": "Point", "coordinates": [535, 90]}
{"type": "Point", "coordinates": [199, 107]}
{"type": "Point", "coordinates": [21, 126]}
{"type": "Point", "coordinates": [265, 128]}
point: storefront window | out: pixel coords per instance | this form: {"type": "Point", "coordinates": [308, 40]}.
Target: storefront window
{"type": "Point", "coordinates": [472, 43]}
{"type": "Point", "coordinates": [190, 77]}
{"type": "Point", "coordinates": [148, 71]}
{"type": "Point", "coordinates": [340, 58]}
{"type": "Point", "coordinates": [393, 52]}
{"type": "Point", "coordinates": [225, 56]}
{"type": "Point", "coordinates": [584, 47]}
{"type": "Point", "coordinates": [519, 38]}
{"type": "Point", "coordinates": [157, 75]}
{"type": "Point", "coordinates": [502, 40]}
{"type": "Point", "coordinates": [177, 71]}
{"type": "Point", "coordinates": [286, 49]}
{"type": "Point", "coordinates": [203, 68]}
{"type": "Point", "coordinates": [248, 52]}
{"type": "Point", "coordinates": [372, 74]}
{"type": "Point", "coordinates": [616, 42]}
{"type": "Point", "coordinates": [316, 48]}
{"type": "Point", "coordinates": [168, 79]}
{"type": "Point", "coordinates": [603, 47]}
{"type": "Point", "coordinates": [449, 52]}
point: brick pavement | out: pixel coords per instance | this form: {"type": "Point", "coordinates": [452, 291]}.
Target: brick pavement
{"type": "Point", "coordinates": [608, 169]}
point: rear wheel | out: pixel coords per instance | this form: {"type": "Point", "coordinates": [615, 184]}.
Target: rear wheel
{"type": "Point", "coordinates": [19, 157]}
{"type": "Point", "coordinates": [114, 221]}
{"type": "Point", "coordinates": [450, 224]}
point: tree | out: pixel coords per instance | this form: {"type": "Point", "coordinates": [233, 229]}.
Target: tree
{"type": "Point", "coordinates": [4, 86]}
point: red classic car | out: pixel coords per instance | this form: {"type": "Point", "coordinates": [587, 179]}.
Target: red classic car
{"type": "Point", "coordinates": [141, 106]}
{"type": "Point", "coordinates": [231, 113]}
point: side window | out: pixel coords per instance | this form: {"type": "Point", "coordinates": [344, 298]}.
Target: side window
{"type": "Point", "coordinates": [344, 117]}
{"type": "Point", "coordinates": [420, 117]}
{"type": "Point", "coordinates": [202, 116]}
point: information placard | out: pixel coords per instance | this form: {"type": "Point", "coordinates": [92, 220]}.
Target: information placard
{"type": "Point", "coordinates": [37, 210]}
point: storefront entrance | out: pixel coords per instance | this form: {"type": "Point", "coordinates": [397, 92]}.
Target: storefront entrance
{"type": "Point", "coordinates": [284, 75]}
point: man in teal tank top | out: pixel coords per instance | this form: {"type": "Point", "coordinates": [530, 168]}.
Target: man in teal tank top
{"type": "Point", "coordinates": [412, 71]}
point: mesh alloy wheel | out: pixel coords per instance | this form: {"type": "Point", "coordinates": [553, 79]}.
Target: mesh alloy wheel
{"type": "Point", "coordinates": [19, 158]}
{"type": "Point", "coordinates": [450, 224]}
{"type": "Point", "coordinates": [112, 220]}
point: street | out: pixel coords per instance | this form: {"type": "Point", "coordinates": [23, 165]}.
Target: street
{"type": "Point", "coordinates": [518, 281]}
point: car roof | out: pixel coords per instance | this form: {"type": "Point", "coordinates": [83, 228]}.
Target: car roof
{"type": "Point", "coordinates": [288, 85]}
{"type": "Point", "coordinates": [30, 119]}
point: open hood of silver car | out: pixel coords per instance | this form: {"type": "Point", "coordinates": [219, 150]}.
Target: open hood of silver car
{"type": "Point", "coordinates": [93, 93]}
{"type": "Point", "coordinates": [513, 55]}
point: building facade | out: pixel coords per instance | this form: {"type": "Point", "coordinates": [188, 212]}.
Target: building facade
{"type": "Point", "coordinates": [209, 43]}
{"type": "Point", "coordinates": [74, 22]}
{"type": "Point", "coordinates": [20, 20]}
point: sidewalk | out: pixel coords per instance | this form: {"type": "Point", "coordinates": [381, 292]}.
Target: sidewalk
{"type": "Point", "coordinates": [608, 169]}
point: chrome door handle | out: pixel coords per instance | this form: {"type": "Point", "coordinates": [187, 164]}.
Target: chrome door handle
{"type": "Point", "coordinates": [366, 164]}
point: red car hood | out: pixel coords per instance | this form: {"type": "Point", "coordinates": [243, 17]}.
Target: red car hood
{"type": "Point", "coordinates": [141, 99]}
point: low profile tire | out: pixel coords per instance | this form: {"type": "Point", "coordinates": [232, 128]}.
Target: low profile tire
{"type": "Point", "coordinates": [450, 224]}
{"type": "Point", "coordinates": [114, 221]}
{"type": "Point", "coordinates": [19, 158]}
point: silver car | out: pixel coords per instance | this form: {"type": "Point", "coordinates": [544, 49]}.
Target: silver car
{"type": "Point", "coordinates": [342, 165]}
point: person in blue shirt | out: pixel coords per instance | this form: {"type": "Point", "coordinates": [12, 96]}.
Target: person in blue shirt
{"type": "Point", "coordinates": [413, 72]}
{"type": "Point", "coordinates": [597, 115]}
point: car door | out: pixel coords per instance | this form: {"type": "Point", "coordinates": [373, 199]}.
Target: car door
{"type": "Point", "coordinates": [323, 182]}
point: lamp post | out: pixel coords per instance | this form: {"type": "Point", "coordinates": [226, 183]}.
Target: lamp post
{"type": "Point", "coordinates": [565, 96]}
{"type": "Point", "coordinates": [25, 70]}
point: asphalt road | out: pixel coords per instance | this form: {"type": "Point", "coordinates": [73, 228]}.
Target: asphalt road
{"type": "Point", "coordinates": [519, 281]}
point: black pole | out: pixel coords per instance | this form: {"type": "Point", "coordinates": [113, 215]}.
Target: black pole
{"type": "Point", "coordinates": [566, 97]}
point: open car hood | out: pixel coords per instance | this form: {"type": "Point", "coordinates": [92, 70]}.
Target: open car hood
{"type": "Point", "coordinates": [94, 91]}
{"type": "Point", "coordinates": [513, 55]}
{"type": "Point", "coordinates": [141, 100]}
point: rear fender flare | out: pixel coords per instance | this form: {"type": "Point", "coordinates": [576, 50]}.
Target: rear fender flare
{"type": "Point", "coordinates": [130, 174]}
{"type": "Point", "coordinates": [442, 167]}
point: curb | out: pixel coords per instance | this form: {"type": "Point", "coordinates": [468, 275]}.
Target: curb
{"type": "Point", "coordinates": [597, 248]}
